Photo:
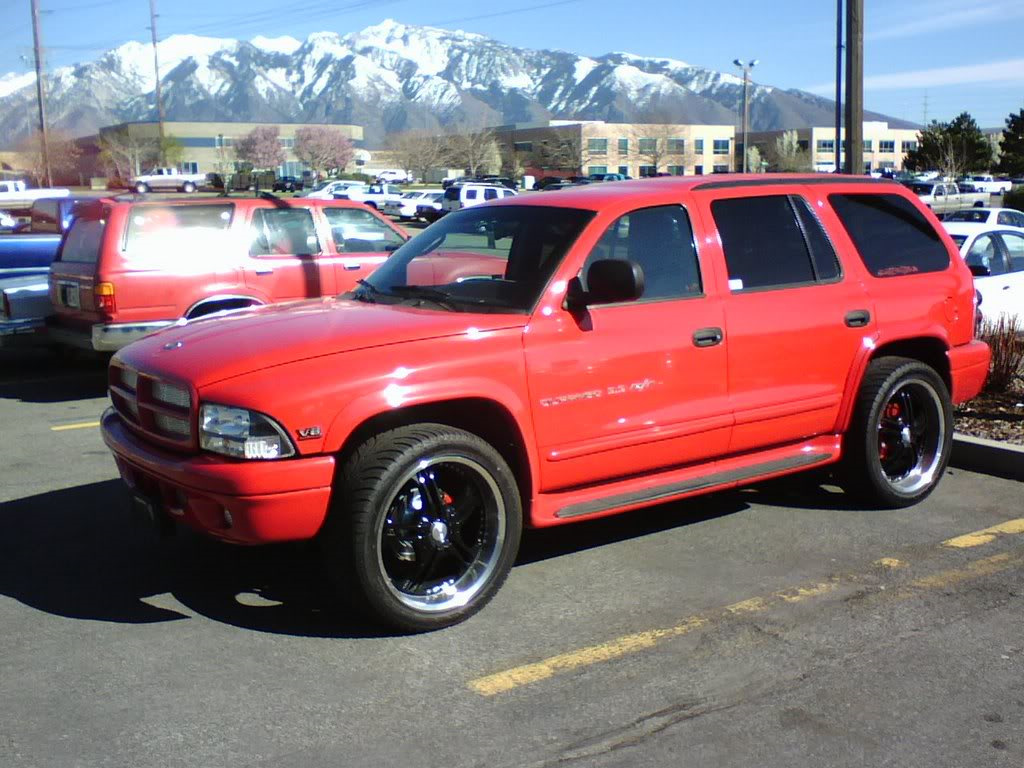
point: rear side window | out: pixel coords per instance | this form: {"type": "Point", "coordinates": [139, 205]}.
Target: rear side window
{"type": "Point", "coordinates": [892, 237]}
{"type": "Point", "coordinates": [283, 231]}
{"type": "Point", "coordinates": [186, 229]}
{"type": "Point", "coordinates": [452, 193]}
{"type": "Point", "coordinates": [490, 194]}
{"type": "Point", "coordinates": [471, 194]}
{"type": "Point", "coordinates": [773, 242]}
{"type": "Point", "coordinates": [358, 231]}
{"type": "Point", "coordinates": [83, 240]}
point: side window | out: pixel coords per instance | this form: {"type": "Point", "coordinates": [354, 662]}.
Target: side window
{"type": "Point", "coordinates": [282, 231]}
{"type": "Point", "coordinates": [984, 253]}
{"type": "Point", "coordinates": [358, 231]}
{"type": "Point", "coordinates": [764, 242]}
{"type": "Point", "coordinates": [823, 255]}
{"type": "Point", "coordinates": [660, 240]}
{"type": "Point", "coordinates": [1005, 219]}
{"type": "Point", "coordinates": [471, 194]}
{"type": "Point", "coordinates": [1015, 249]}
{"type": "Point", "coordinates": [490, 194]}
{"type": "Point", "coordinates": [891, 236]}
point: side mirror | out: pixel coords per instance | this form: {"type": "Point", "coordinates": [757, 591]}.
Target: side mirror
{"type": "Point", "coordinates": [979, 270]}
{"type": "Point", "coordinates": [611, 281]}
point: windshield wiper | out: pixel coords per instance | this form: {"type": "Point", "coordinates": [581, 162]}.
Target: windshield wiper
{"type": "Point", "coordinates": [425, 292]}
{"type": "Point", "coordinates": [366, 291]}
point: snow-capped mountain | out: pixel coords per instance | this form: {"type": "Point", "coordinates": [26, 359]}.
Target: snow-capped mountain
{"type": "Point", "coordinates": [389, 78]}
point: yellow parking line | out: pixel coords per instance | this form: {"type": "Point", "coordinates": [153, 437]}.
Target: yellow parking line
{"type": "Point", "coordinates": [986, 535]}
{"type": "Point", "coordinates": [79, 425]}
{"type": "Point", "coordinates": [516, 677]}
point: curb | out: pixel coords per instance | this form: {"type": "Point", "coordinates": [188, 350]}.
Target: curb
{"type": "Point", "coordinates": [990, 457]}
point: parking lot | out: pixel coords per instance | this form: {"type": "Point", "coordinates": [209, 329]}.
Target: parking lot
{"type": "Point", "coordinates": [774, 626]}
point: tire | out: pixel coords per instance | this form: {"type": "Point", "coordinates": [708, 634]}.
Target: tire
{"type": "Point", "coordinates": [188, 188]}
{"type": "Point", "coordinates": [396, 545]}
{"type": "Point", "coordinates": [142, 188]}
{"type": "Point", "coordinates": [900, 436]}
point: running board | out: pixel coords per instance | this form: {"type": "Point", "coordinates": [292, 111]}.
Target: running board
{"type": "Point", "coordinates": [707, 482]}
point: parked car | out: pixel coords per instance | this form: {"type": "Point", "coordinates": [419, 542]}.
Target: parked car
{"type": "Point", "coordinates": [983, 182]}
{"type": "Point", "coordinates": [459, 196]}
{"type": "Point", "coordinates": [17, 192]}
{"type": "Point", "coordinates": [405, 207]}
{"type": "Point", "coordinates": [373, 195]}
{"type": "Point", "coordinates": [944, 197]}
{"type": "Point", "coordinates": [547, 181]}
{"type": "Point", "coordinates": [325, 190]}
{"type": "Point", "coordinates": [993, 217]}
{"type": "Point", "coordinates": [995, 256]}
{"type": "Point", "coordinates": [607, 177]}
{"type": "Point", "coordinates": [168, 179]}
{"type": "Point", "coordinates": [24, 306]}
{"type": "Point", "coordinates": [127, 269]}
{"type": "Point", "coordinates": [531, 363]}
{"type": "Point", "coordinates": [30, 250]}
{"type": "Point", "coordinates": [394, 176]}
{"type": "Point", "coordinates": [430, 210]}
{"type": "Point", "coordinates": [288, 184]}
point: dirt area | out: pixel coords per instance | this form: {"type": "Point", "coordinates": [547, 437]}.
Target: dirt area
{"type": "Point", "coordinates": [997, 417]}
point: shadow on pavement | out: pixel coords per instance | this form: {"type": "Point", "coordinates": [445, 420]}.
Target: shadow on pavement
{"type": "Point", "coordinates": [41, 376]}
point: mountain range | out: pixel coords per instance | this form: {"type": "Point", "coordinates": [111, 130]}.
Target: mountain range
{"type": "Point", "coordinates": [390, 78]}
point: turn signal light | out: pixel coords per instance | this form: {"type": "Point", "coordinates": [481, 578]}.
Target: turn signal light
{"type": "Point", "coordinates": [104, 296]}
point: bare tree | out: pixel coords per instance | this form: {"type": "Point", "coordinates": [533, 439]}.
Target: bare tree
{"type": "Point", "coordinates": [563, 152]}
{"type": "Point", "coordinates": [655, 143]}
{"type": "Point", "coordinates": [62, 151]}
{"type": "Point", "coordinates": [420, 152]}
{"type": "Point", "coordinates": [476, 151]}
{"type": "Point", "coordinates": [125, 154]}
{"type": "Point", "coordinates": [786, 155]}
{"type": "Point", "coordinates": [323, 148]}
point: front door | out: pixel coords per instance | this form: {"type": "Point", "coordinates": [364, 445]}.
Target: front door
{"type": "Point", "coordinates": [636, 386]}
{"type": "Point", "coordinates": [284, 252]}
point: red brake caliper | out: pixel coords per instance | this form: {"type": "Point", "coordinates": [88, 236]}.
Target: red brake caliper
{"type": "Point", "coordinates": [892, 411]}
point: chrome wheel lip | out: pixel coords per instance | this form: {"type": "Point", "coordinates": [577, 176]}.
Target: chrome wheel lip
{"type": "Point", "coordinates": [482, 568]}
{"type": "Point", "coordinates": [923, 473]}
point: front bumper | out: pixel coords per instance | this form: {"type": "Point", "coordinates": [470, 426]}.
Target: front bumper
{"type": "Point", "coordinates": [244, 502]}
{"type": "Point", "coordinates": [103, 337]}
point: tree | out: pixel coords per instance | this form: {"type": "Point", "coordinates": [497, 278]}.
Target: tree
{"type": "Point", "coordinates": [476, 151]}
{"type": "Point", "coordinates": [754, 159]}
{"type": "Point", "coordinates": [323, 148]}
{"type": "Point", "coordinates": [420, 152]}
{"type": "Point", "coordinates": [125, 154]}
{"type": "Point", "coordinates": [261, 147]}
{"type": "Point", "coordinates": [952, 148]}
{"type": "Point", "coordinates": [1011, 160]}
{"type": "Point", "coordinates": [61, 151]}
{"type": "Point", "coordinates": [786, 155]}
{"type": "Point", "coordinates": [564, 153]}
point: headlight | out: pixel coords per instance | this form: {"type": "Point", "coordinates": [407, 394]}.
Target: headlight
{"type": "Point", "coordinates": [242, 434]}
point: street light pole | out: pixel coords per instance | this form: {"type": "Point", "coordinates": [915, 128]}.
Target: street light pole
{"type": "Point", "coordinates": [746, 102]}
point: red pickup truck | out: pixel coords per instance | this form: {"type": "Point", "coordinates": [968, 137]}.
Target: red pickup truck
{"type": "Point", "coordinates": [554, 358]}
{"type": "Point", "coordinates": [128, 268]}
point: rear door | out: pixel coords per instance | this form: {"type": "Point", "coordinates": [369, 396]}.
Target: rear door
{"type": "Point", "coordinates": [284, 255]}
{"type": "Point", "coordinates": [360, 241]}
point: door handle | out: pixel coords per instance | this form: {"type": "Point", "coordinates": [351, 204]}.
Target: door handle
{"type": "Point", "coordinates": [858, 318]}
{"type": "Point", "coordinates": [264, 270]}
{"type": "Point", "coordinates": [707, 337]}
{"type": "Point", "coordinates": [352, 267]}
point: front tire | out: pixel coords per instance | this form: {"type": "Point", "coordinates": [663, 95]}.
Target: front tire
{"type": "Point", "coordinates": [188, 188]}
{"type": "Point", "coordinates": [901, 434]}
{"type": "Point", "coordinates": [142, 188]}
{"type": "Point", "coordinates": [424, 527]}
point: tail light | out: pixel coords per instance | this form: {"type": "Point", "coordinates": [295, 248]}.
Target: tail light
{"type": "Point", "coordinates": [103, 294]}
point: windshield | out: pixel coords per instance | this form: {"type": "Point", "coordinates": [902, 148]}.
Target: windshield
{"type": "Point", "coordinates": [481, 259]}
{"type": "Point", "coordinates": [922, 189]}
{"type": "Point", "coordinates": [976, 215]}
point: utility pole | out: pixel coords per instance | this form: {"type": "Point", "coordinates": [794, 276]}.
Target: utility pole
{"type": "Point", "coordinates": [839, 85]}
{"type": "Point", "coordinates": [854, 87]}
{"type": "Point", "coordinates": [746, 102]}
{"type": "Point", "coordinates": [41, 93]}
{"type": "Point", "coordinates": [156, 70]}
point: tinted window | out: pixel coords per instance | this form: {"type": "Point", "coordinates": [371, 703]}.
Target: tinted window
{"type": "Point", "coordinates": [1015, 249]}
{"type": "Point", "coordinates": [823, 255]}
{"type": "Point", "coordinates": [45, 216]}
{"type": "Point", "coordinates": [660, 240]}
{"type": "Point", "coordinates": [490, 194]}
{"type": "Point", "coordinates": [82, 243]}
{"type": "Point", "coordinates": [452, 193]}
{"type": "Point", "coordinates": [985, 253]}
{"type": "Point", "coordinates": [890, 234]}
{"type": "Point", "coordinates": [471, 194]}
{"type": "Point", "coordinates": [282, 231]}
{"type": "Point", "coordinates": [358, 231]}
{"type": "Point", "coordinates": [976, 215]}
{"type": "Point", "coordinates": [1010, 218]}
{"type": "Point", "coordinates": [959, 239]}
{"type": "Point", "coordinates": [763, 242]}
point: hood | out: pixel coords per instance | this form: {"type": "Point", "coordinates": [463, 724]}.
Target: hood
{"type": "Point", "coordinates": [206, 351]}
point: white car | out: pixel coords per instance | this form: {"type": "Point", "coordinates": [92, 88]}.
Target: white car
{"type": "Point", "coordinates": [995, 256]}
{"type": "Point", "coordinates": [983, 182]}
{"type": "Point", "coordinates": [405, 208]}
{"type": "Point", "coordinates": [374, 195]}
{"type": "Point", "coordinates": [394, 176]}
{"type": "Point", "coordinates": [993, 217]}
{"type": "Point", "coordinates": [459, 196]}
{"type": "Point", "coordinates": [326, 190]}
{"type": "Point", "coordinates": [168, 178]}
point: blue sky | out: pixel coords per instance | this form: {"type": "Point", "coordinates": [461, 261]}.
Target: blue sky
{"type": "Point", "coordinates": [952, 55]}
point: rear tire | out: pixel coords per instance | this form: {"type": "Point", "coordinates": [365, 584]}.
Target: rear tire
{"type": "Point", "coordinates": [424, 527]}
{"type": "Point", "coordinates": [898, 444]}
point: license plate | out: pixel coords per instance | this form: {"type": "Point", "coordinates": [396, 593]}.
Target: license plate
{"type": "Point", "coordinates": [70, 295]}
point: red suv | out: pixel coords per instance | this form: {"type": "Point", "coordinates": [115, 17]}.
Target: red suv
{"type": "Point", "coordinates": [126, 269]}
{"type": "Point", "coordinates": [554, 358]}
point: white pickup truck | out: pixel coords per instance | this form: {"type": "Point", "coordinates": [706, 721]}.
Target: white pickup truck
{"type": "Point", "coordinates": [945, 197]}
{"type": "Point", "coordinates": [983, 182]}
{"type": "Point", "coordinates": [374, 195]}
{"type": "Point", "coordinates": [168, 179]}
{"type": "Point", "coordinates": [16, 191]}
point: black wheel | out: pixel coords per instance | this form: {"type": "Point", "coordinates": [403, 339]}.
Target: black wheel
{"type": "Point", "coordinates": [424, 527]}
{"type": "Point", "coordinates": [901, 434]}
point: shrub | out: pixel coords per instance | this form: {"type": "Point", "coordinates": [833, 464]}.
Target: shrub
{"type": "Point", "coordinates": [1005, 337]}
{"type": "Point", "coordinates": [1014, 198]}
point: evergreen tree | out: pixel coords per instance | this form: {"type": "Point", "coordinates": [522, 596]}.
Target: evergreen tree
{"type": "Point", "coordinates": [1011, 160]}
{"type": "Point", "coordinates": [954, 148]}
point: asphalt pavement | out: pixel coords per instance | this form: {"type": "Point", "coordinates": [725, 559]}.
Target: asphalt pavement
{"type": "Point", "coordinates": [779, 625]}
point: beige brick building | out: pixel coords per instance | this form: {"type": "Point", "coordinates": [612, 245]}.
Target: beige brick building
{"type": "Point", "coordinates": [633, 149]}
{"type": "Point", "coordinates": [885, 148]}
{"type": "Point", "coordinates": [208, 146]}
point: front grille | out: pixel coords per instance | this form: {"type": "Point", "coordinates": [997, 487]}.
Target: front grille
{"type": "Point", "coordinates": [155, 408]}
